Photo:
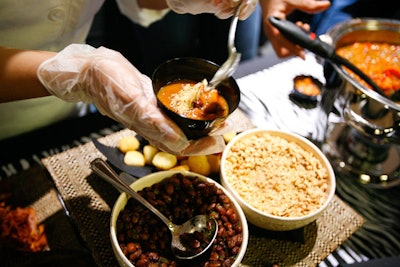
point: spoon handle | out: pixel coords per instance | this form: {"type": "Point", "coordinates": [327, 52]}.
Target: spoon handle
{"type": "Point", "coordinates": [230, 65]}
{"type": "Point", "coordinates": [342, 61]}
{"type": "Point", "coordinates": [302, 38]}
{"type": "Point", "coordinates": [232, 29]}
{"type": "Point", "coordinates": [101, 168]}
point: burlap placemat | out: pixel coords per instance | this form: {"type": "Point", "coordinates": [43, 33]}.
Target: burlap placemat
{"type": "Point", "coordinates": [89, 201]}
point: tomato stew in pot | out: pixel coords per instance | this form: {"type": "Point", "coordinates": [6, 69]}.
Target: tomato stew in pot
{"type": "Point", "coordinates": [380, 61]}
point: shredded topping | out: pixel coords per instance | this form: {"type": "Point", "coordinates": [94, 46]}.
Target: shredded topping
{"type": "Point", "coordinates": [194, 100]}
{"type": "Point", "coordinates": [184, 100]}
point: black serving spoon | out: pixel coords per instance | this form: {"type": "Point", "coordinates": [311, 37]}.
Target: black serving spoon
{"type": "Point", "coordinates": [314, 44]}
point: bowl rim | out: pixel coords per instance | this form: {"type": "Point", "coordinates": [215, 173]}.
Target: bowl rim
{"type": "Point", "coordinates": [297, 137]}
{"type": "Point", "coordinates": [157, 177]}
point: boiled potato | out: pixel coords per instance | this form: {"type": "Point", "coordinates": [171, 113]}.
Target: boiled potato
{"type": "Point", "coordinates": [134, 158]}
{"type": "Point", "coordinates": [164, 161]}
{"type": "Point", "coordinates": [199, 164]}
{"type": "Point", "coordinates": [149, 152]}
{"type": "Point", "coordinates": [229, 136]}
{"type": "Point", "coordinates": [180, 168]}
{"type": "Point", "coordinates": [215, 162]}
{"type": "Point", "coordinates": [128, 143]}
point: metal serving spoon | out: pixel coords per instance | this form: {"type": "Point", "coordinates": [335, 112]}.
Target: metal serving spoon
{"type": "Point", "coordinates": [203, 224]}
{"type": "Point", "coordinates": [231, 64]}
{"type": "Point", "coordinates": [311, 42]}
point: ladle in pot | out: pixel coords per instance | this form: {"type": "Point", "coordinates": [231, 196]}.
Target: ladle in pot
{"type": "Point", "coordinates": [204, 225]}
{"type": "Point", "coordinates": [311, 42]}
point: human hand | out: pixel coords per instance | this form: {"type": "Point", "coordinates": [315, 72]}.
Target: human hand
{"type": "Point", "coordinates": [118, 90]}
{"type": "Point", "coordinates": [280, 9]}
{"type": "Point", "coordinates": [221, 8]}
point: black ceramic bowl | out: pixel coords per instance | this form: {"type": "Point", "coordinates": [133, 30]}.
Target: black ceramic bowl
{"type": "Point", "coordinates": [194, 69]}
{"type": "Point", "coordinates": [306, 89]}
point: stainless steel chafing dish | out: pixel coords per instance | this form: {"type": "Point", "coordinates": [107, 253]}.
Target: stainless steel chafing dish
{"type": "Point", "coordinates": [368, 143]}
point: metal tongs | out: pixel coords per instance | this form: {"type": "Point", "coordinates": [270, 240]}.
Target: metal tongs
{"type": "Point", "coordinates": [311, 42]}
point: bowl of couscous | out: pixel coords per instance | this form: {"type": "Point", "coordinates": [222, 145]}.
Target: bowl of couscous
{"type": "Point", "coordinates": [281, 180]}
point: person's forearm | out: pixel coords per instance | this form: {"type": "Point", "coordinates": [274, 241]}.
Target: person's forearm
{"type": "Point", "coordinates": [153, 4]}
{"type": "Point", "coordinates": [18, 79]}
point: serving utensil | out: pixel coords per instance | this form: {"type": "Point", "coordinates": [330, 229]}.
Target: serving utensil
{"type": "Point", "coordinates": [202, 224]}
{"type": "Point", "coordinates": [313, 43]}
{"type": "Point", "coordinates": [231, 64]}
{"type": "Point", "coordinates": [116, 158]}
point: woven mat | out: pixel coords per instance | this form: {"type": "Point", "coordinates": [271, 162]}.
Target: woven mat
{"type": "Point", "coordinates": [34, 188]}
{"type": "Point", "coordinates": [89, 201]}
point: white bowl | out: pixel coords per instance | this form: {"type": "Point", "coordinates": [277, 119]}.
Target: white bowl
{"type": "Point", "coordinates": [260, 216]}
{"type": "Point", "coordinates": [156, 177]}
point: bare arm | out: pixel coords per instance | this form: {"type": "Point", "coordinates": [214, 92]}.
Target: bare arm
{"type": "Point", "coordinates": [280, 9]}
{"type": "Point", "coordinates": [18, 78]}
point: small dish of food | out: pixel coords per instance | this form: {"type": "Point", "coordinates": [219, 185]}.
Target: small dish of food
{"type": "Point", "coordinates": [306, 89]}
{"type": "Point", "coordinates": [181, 87]}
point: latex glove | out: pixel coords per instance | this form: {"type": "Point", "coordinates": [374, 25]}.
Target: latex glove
{"type": "Point", "coordinates": [280, 9]}
{"type": "Point", "coordinates": [118, 90]}
{"type": "Point", "coordinates": [221, 8]}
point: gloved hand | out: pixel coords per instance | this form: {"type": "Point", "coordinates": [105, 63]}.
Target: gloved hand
{"type": "Point", "coordinates": [221, 8]}
{"type": "Point", "coordinates": [118, 90]}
